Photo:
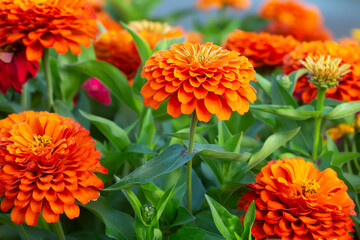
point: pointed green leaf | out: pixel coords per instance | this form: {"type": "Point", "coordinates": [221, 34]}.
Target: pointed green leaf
{"type": "Point", "coordinates": [343, 110]}
{"type": "Point", "coordinates": [301, 113]}
{"type": "Point", "coordinates": [340, 158]}
{"type": "Point", "coordinates": [263, 83]}
{"type": "Point", "coordinates": [194, 234]}
{"type": "Point", "coordinates": [271, 144]}
{"type": "Point", "coordinates": [249, 222]}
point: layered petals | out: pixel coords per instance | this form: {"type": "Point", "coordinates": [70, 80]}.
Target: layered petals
{"type": "Point", "coordinates": [63, 25]}
{"type": "Point", "coordinates": [202, 78]}
{"type": "Point", "coordinates": [217, 4]}
{"type": "Point", "coordinates": [261, 48]}
{"type": "Point", "coordinates": [46, 163]}
{"type": "Point", "coordinates": [294, 200]}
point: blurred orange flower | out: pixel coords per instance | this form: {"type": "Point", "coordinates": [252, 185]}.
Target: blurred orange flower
{"type": "Point", "coordinates": [118, 48]}
{"type": "Point", "coordinates": [46, 163]}
{"type": "Point", "coordinates": [260, 48]}
{"type": "Point", "coordinates": [296, 201]}
{"type": "Point", "coordinates": [291, 17]}
{"type": "Point", "coordinates": [98, 5]}
{"type": "Point", "coordinates": [217, 4]}
{"type": "Point", "coordinates": [51, 24]}
{"type": "Point", "coordinates": [202, 78]}
{"type": "Point", "coordinates": [194, 37]}
{"type": "Point", "coordinates": [348, 89]}
{"type": "Point", "coordinates": [108, 22]}
{"type": "Point", "coordinates": [338, 132]}
{"type": "Point", "coordinates": [154, 32]}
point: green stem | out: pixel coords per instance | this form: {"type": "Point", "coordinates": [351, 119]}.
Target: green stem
{"type": "Point", "coordinates": [59, 230]}
{"type": "Point", "coordinates": [24, 97]}
{"type": "Point", "coordinates": [193, 123]}
{"type": "Point", "coordinates": [318, 118]}
{"type": "Point", "coordinates": [354, 149]}
{"type": "Point", "coordinates": [49, 83]}
{"type": "Point", "coordinates": [25, 234]}
{"type": "Point", "coordinates": [148, 233]}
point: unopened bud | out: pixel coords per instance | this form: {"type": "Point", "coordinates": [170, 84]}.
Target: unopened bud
{"type": "Point", "coordinates": [284, 80]}
{"type": "Point", "coordinates": [148, 212]}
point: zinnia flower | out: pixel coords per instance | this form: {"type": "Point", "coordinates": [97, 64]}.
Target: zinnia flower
{"type": "Point", "coordinates": [290, 17]}
{"type": "Point", "coordinates": [202, 78]}
{"type": "Point", "coordinates": [260, 48]}
{"type": "Point", "coordinates": [46, 163]}
{"type": "Point", "coordinates": [154, 32]}
{"type": "Point", "coordinates": [15, 69]}
{"type": "Point", "coordinates": [51, 24]}
{"type": "Point", "coordinates": [338, 132]}
{"type": "Point", "coordinates": [348, 89]}
{"type": "Point", "coordinates": [217, 4]}
{"type": "Point", "coordinates": [97, 90]}
{"type": "Point", "coordinates": [294, 200]}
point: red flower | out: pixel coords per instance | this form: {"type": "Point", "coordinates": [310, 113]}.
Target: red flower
{"type": "Point", "coordinates": [15, 70]}
{"type": "Point", "coordinates": [97, 90]}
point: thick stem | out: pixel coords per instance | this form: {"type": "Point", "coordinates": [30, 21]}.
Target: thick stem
{"type": "Point", "coordinates": [318, 118]}
{"type": "Point", "coordinates": [49, 83]}
{"type": "Point", "coordinates": [59, 230]}
{"type": "Point", "coordinates": [193, 123]}
{"type": "Point", "coordinates": [24, 97]}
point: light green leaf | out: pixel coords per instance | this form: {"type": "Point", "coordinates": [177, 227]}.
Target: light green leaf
{"type": "Point", "coordinates": [340, 158]}
{"type": "Point", "coordinates": [169, 160]}
{"type": "Point", "coordinates": [271, 144]}
{"type": "Point", "coordinates": [343, 110]}
{"type": "Point", "coordinates": [249, 222]}
{"type": "Point", "coordinates": [301, 113]}
{"type": "Point", "coordinates": [263, 83]}
{"type": "Point", "coordinates": [116, 135]}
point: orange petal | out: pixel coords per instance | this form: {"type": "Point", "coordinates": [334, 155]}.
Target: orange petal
{"type": "Point", "coordinates": [212, 103]}
{"type": "Point", "coordinates": [31, 217]}
{"type": "Point", "coordinates": [72, 211]}
{"type": "Point", "coordinates": [34, 52]}
{"type": "Point", "coordinates": [174, 106]}
{"type": "Point", "coordinates": [48, 214]}
{"type": "Point", "coordinates": [18, 215]}
{"type": "Point", "coordinates": [7, 203]}
{"type": "Point", "coordinates": [201, 112]}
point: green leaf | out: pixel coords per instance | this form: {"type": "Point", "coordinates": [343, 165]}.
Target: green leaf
{"type": "Point", "coordinates": [134, 202]}
{"type": "Point", "coordinates": [223, 132]}
{"type": "Point", "coordinates": [160, 207]}
{"type": "Point", "coordinates": [139, 148]}
{"type": "Point", "coordinates": [183, 216]}
{"type": "Point", "coordinates": [169, 160]}
{"type": "Point", "coordinates": [263, 83]}
{"type": "Point", "coordinates": [148, 130]}
{"type": "Point", "coordinates": [118, 225]}
{"type": "Point", "coordinates": [340, 158]}
{"type": "Point", "coordinates": [116, 135]}
{"type": "Point", "coordinates": [219, 152]}
{"type": "Point", "coordinates": [301, 113]}
{"type": "Point", "coordinates": [185, 136]}
{"type": "Point", "coordinates": [343, 110]}
{"type": "Point", "coordinates": [112, 77]}
{"type": "Point", "coordinates": [271, 144]}
{"type": "Point", "coordinates": [294, 76]}
{"type": "Point", "coordinates": [142, 46]}
{"type": "Point", "coordinates": [281, 96]}
{"type": "Point", "coordinates": [227, 223]}
{"type": "Point", "coordinates": [248, 222]}
{"type": "Point", "coordinates": [194, 234]}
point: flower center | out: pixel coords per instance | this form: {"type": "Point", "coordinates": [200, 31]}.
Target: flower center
{"type": "Point", "coordinates": [310, 187]}
{"type": "Point", "coordinates": [41, 141]}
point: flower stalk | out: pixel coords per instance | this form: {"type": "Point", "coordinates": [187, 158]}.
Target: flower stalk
{"type": "Point", "coordinates": [59, 230]}
{"type": "Point", "coordinates": [193, 124]}
{"type": "Point", "coordinates": [47, 72]}
{"type": "Point", "coordinates": [318, 118]}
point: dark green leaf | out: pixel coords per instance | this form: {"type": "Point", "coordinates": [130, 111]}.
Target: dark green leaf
{"type": "Point", "coordinates": [139, 148]}
{"type": "Point", "coordinates": [183, 216]}
{"type": "Point", "coordinates": [169, 160]}
{"type": "Point", "coordinates": [194, 234]}
{"type": "Point", "coordinates": [248, 222]}
{"type": "Point", "coordinates": [302, 113]}
{"type": "Point", "coordinates": [340, 158]}
{"type": "Point", "coordinates": [116, 135]}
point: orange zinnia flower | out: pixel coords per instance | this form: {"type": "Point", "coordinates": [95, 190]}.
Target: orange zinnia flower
{"type": "Point", "coordinates": [38, 23]}
{"type": "Point", "coordinates": [348, 89]}
{"type": "Point", "coordinates": [261, 49]}
{"type": "Point", "coordinates": [46, 163]}
{"type": "Point", "coordinates": [217, 4]}
{"type": "Point", "coordinates": [154, 32]}
{"type": "Point", "coordinates": [296, 201]}
{"type": "Point", "coordinates": [202, 78]}
{"type": "Point", "coordinates": [289, 17]}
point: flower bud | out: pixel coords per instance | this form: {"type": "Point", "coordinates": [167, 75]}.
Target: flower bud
{"type": "Point", "coordinates": [148, 212]}
{"type": "Point", "coordinates": [284, 80]}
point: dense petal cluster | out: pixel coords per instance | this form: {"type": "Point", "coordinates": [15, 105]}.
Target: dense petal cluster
{"type": "Point", "coordinates": [154, 32]}
{"type": "Point", "coordinates": [97, 90]}
{"type": "Point", "coordinates": [46, 163]}
{"type": "Point", "coordinates": [217, 4]}
{"type": "Point", "coordinates": [292, 17]}
{"type": "Point", "coordinates": [348, 89]}
{"type": "Point", "coordinates": [202, 78]}
{"type": "Point", "coordinates": [15, 69]}
{"type": "Point", "coordinates": [58, 24]}
{"type": "Point", "coordinates": [295, 201]}
{"type": "Point", "coordinates": [261, 48]}
{"type": "Point", "coordinates": [118, 48]}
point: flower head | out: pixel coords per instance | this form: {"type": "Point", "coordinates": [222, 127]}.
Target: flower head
{"type": "Point", "coordinates": [15, 69]}
{"type": "Point", "coordinates": [294, 200]}
{"type": "Point", "coordinates": [291, 17]}
{"type": "Point", "coordinates": [97, 90]}
{"type": "Point", "coordinates": [118, 48]}
{"type": "Point", "coordinates": [202, 78]}
{"type": "Point", "coordinates": [46, 163]}
{"type": "Point", "coordinates": [260, 48]}
{"type": "Point", "coordinates": [217, 4]}
{"type": "Point", "coordinates": [154, 32]}
{"type": "Point", "coordinates": [348, 89]}
{"type": "Point", "coordinates": [61, 25]}
{"type": "Point", "coordinates": [339, 131]}
{"type": "Point", "coordinates": [325, 72]}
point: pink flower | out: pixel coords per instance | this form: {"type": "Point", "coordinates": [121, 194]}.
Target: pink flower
{"type": "Point", "coordinates": [97, 90]}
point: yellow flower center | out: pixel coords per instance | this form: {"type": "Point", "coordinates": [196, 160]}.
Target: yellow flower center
{"type": "Point", "coordinates": [310, 187]}
{"type": "Point", "coordinates": [152, 27]}
{"type": "Point", "coordinates": [204, 54]}
{"type": "Point", "coordinates": [41, 141]}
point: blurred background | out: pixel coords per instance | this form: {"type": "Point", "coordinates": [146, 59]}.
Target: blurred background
{"type": "Point", "coordinates": [340, 16]}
